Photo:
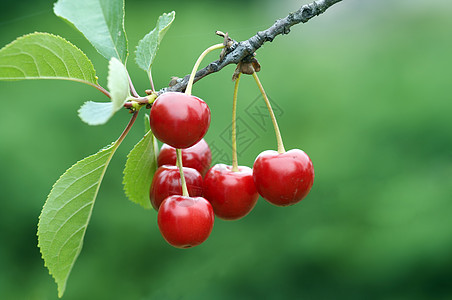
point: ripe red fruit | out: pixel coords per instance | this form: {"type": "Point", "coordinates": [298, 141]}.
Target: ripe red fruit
{"type": "Point", "coordinates": [283, 179]}
{"type": "Point", "coordinates": [232, 194]}
{"type": "Point", "coordinates": [185, 221]}
{"type": "Point", "coordinates": [179, 120]}
{"type": "Point", "coordinates": [166, 182]}
{"type": "Point", "coordinates": [197, 156]}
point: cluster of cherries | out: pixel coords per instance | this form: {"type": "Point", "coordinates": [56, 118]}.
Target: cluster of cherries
{"type": "Point", "coordinates": [188, 195]}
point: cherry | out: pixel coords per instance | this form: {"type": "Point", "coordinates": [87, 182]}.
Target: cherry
{"type": "Point", "coordinates": [232, 194]}
{"type": "Point", "coordinates": [179, 120]}
{"type": "Point", "coordinates": [185, 221]}
{"type": "Point", "coordinates": [283, 178]}
{"type": "Point", "coordinates": [166, 182]}
{"type": "Point", "coordinates": [197, 156]}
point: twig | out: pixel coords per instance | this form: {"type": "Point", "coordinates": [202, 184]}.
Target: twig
{"type": "Point", "coordinates": [239, 51]}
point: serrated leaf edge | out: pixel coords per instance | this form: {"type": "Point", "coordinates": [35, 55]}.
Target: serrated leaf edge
{"type": "Point", "coordinates": [110, 36]}
{"type": "Point", "coordinates": [61, 289]}
{"type": "Point", "coordinates": [79, 113]}
{"type": "Point", "coordinates": [159, 39]}
{"type": "Point", "coordinates": [94, 84]}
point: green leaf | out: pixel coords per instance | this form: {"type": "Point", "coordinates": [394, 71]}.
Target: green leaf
{"type": "Point", "coordinates": [97, 113]}
{"type": "Point", "coordinates": [45, 56]}
{"type": "Point", "coordinates": [66, 214]}
{"type": "Point", "coordinates": [100, 21]}
{"type": "Point", "coordinates": [140, 168]}
{"type": "Point", "coordinates": [148, 46]}
{"type": "Point", "coordinates": [118, 83]}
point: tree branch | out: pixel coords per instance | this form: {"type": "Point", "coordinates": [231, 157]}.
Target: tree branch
{"type": "Point", "coordinates": [239, 51]}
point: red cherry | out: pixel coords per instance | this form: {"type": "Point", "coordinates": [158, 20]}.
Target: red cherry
{"type": "Point", "coordinates": [283, 179]}
{"type": "Point", "coordinates": [185, 221]}
{"type": "Point", "coordinates": [197, 156]}
{"type": "Point", "coordinates": [166, 182]}
{"type": "Point", "coordinates": [232, 194]}
{"type": "Point", "coordinates": [179, 120]}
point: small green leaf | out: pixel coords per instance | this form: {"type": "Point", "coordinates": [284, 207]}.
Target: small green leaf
{"type": "Point", "coordinates": [97, 113]}
{"type": "Point", "coordinates": [100, 21]}
{"type": "Point", "coordinates": [118, 83]}
{"type": "Point", "coordinates": [140, 168]}
{"type": "Point", "coordinates": [66, 214]}
{"type": "Point", "coordinates": [45, 56]}
{"type": "Point", "coordinates": [148, 46]}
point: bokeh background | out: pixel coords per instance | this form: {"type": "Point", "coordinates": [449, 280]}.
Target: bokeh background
{"type": "Point", "coordinates": [364, 89]}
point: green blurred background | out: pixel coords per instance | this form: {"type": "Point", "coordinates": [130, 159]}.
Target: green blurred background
{"type": "Point", "coordinates": [364, 89]}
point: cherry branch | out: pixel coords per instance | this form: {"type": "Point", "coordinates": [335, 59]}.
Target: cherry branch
{"type": "Point", "coordinates": [237, 52]}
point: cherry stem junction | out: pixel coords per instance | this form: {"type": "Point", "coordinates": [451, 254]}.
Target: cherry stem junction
{"type": "Point", "coordinates": [196, 66]}
{"type": "Point", "coordinates": [235, 164]}
{"type": "Point", "coordinates": [181, 170]}
{"type": "Point", "coordinates": [137, 103]}
{"type": "Point", "coordinates": [272, 115]}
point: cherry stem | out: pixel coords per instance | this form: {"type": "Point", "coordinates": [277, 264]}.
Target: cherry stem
{"type": "Point", "coordinates": [151, 81]}
{"type": "Point", "coordinates": [181, 171]}
{"type": "Point", "coordinates": [101, 89]}
{"type": "Point", "coordinates": [127, 129]}
{"type": "Point", "coordinates": [235, 164]}
{"type": "Point", "coordinates": [132, 88]}
{"type": "Point", "coordinates": [196, 66]}
{"type": "Point", "coordinates": [272, 115]}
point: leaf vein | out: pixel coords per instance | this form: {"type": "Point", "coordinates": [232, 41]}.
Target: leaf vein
{"type": "Point", "coordinates": [55, 233]}
{"type": "Point", "coordinates": [84, 175]}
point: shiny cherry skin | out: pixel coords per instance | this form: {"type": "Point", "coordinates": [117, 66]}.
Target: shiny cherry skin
{"type": "Point", "coordinates": [185, 222]}
{"type": "Point", "coordinates": [232, 194]}
{"type": "Point", "coordinates": [198, 156]}
{"type": "Point", "coordinates": [166, 182]}
{"type": "Point", "coordinates": [179, 120]}
{"type": "Point", "coordinates": [283, 179]}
